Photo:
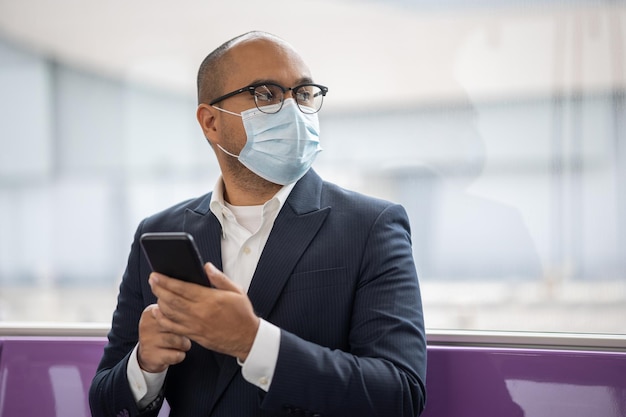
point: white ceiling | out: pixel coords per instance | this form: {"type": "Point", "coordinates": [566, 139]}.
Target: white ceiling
{"type": "Point", "coordinates": [361, 50]}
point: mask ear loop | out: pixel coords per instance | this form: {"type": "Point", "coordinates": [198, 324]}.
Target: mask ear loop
{"type": "Point", "coordinates": [226, 152]}
{"type": "Point", "coordinates": [217, 144]}
{"type": "Point", "coordinates": [226, 111]}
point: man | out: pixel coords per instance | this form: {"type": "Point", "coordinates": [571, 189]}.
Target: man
{"type": "Point", "coordinates": [317, 311]}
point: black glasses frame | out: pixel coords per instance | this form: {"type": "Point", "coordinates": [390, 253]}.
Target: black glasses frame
{"type": "Point", "coordinates": [250, 88]}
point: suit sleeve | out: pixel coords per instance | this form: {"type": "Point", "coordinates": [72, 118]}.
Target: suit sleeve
{"type": "Point", "coordinates": [383, 371]}
{"type": "Point", "coordinates": [110, 393]}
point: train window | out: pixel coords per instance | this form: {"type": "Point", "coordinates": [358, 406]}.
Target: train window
{"type": "Point", "coordinates": [499, 125]}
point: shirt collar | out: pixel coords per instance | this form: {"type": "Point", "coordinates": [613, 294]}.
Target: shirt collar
{"type": "Point", "coordinates": [273, 205]}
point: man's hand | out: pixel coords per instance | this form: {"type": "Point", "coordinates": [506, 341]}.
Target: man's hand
{"type": "Point", "coordinates": [220, 318]}
{"type": "Point", "coordinates": [158, 348]}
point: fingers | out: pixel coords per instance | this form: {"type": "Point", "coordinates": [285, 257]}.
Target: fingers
{"type": "Point", "coordinates": [159, 282]}
{"type": "Point", "coordinates": [159, 348]}
{"type": "Point", "coordinates": [162, 284]}
{"type": "Point", "coordinates": [220, 280]}
{"type": "Point", "coordinates": [176, 298]}
{"type": "Point", "coordinates": [158, 360]}
{"type": "Point", "coordinates": [166, 316]}
{"type": "Point", "coordinates": [163, 331]}
{"type": "Point", "coordinates": [174, 341]}
{"type": "Point", "coordinates": [178, 302]}
{"type": "Point", "coordinates": [219, 318]}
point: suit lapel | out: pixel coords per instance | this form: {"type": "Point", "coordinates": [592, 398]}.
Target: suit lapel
{"type": "Point", "coordinates": [206, 231]}
{"type": "Point", "coordinates": [296, 225]}
{"type": "Point", "coordinates": [291, 235]}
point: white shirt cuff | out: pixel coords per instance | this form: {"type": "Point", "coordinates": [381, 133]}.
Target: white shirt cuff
{"type": "Point", "coordinates": [258, 369]}
{"type": "Point", "coordinates": [145, 386]}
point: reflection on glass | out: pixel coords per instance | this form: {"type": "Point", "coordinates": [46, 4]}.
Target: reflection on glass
{"type": "Point", "coordinates": [501, 133]}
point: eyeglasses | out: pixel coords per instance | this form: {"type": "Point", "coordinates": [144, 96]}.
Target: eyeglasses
{"type": "Point", "coordinates": [309, 97]}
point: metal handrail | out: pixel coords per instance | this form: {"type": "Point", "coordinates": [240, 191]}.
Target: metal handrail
{"type": "Point", "coordinates": [518, 339]}
{"type": "Point", "coordinates": [434, 337]}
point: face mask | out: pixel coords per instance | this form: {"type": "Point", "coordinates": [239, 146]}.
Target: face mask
{"type": "Point", "coordinates": [280, 147]}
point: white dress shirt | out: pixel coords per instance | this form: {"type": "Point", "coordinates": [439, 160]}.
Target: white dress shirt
{"type": "Point", "coordinates": [245, 230]}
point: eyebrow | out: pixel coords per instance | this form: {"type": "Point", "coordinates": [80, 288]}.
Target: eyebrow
{"type": "Point", "coordinates": [303, 80]}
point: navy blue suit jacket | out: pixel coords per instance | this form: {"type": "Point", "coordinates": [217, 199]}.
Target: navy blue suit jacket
{"type": "Point", "coordinates": [336, 275]}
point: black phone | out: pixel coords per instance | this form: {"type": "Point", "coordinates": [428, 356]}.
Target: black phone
{"type": "Point", "coordinates": [174, 254]}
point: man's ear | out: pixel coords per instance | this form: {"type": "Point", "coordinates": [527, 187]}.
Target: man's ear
{"type": "Point", "coordinates": [206, 117]}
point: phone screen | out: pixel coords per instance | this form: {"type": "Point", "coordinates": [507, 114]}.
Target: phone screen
{"type": "Point", "coordinates": [174, 254]}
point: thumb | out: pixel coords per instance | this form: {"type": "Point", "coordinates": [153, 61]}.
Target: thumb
{"type": "Point", "coordinates": [152, 309]}
{"type": "Point", "coordinates": [220, 280]}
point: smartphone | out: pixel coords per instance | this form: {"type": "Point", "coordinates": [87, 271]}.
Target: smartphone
{"type": "Point", "coordinates": [174, 254]}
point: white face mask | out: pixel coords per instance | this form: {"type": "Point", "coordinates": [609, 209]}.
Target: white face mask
{"type": "Point", "coordinates": [280, 147]}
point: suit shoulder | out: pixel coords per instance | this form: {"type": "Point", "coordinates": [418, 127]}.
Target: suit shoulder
{"type": "Point", "coordinates": [171, 218]}
{"type": "Point", "coordinates": [335, 195]}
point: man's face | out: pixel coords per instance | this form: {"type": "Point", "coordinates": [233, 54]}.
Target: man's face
{"type": "Point", "coordinates": [252, 61]}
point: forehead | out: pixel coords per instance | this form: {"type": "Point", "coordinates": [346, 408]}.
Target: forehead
{"type": "Point", "coordinates": [264, 59]}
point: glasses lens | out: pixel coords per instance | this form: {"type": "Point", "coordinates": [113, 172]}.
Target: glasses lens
{"type": "Point", "coordinates": [268, 98]}
{"type": "Point", "coordinates": [309, 98]}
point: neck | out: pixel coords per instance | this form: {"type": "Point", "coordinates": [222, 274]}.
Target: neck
{"type": "Point", "coordinates": [249, 193]}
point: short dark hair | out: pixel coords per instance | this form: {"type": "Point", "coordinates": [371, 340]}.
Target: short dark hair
{"type": "Point", "coordinates": [212, 71]}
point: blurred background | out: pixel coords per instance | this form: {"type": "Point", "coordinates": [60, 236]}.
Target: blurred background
{"type": "Point", "coordinates": [499, 124]}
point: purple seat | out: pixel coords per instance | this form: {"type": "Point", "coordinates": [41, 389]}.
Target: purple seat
{"type": "Point", "coordinates": [44, 376]}
{"type": "Point", "coordinates": [498, 382]}
{"type": "Point", "coordinates": [50, 376]}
